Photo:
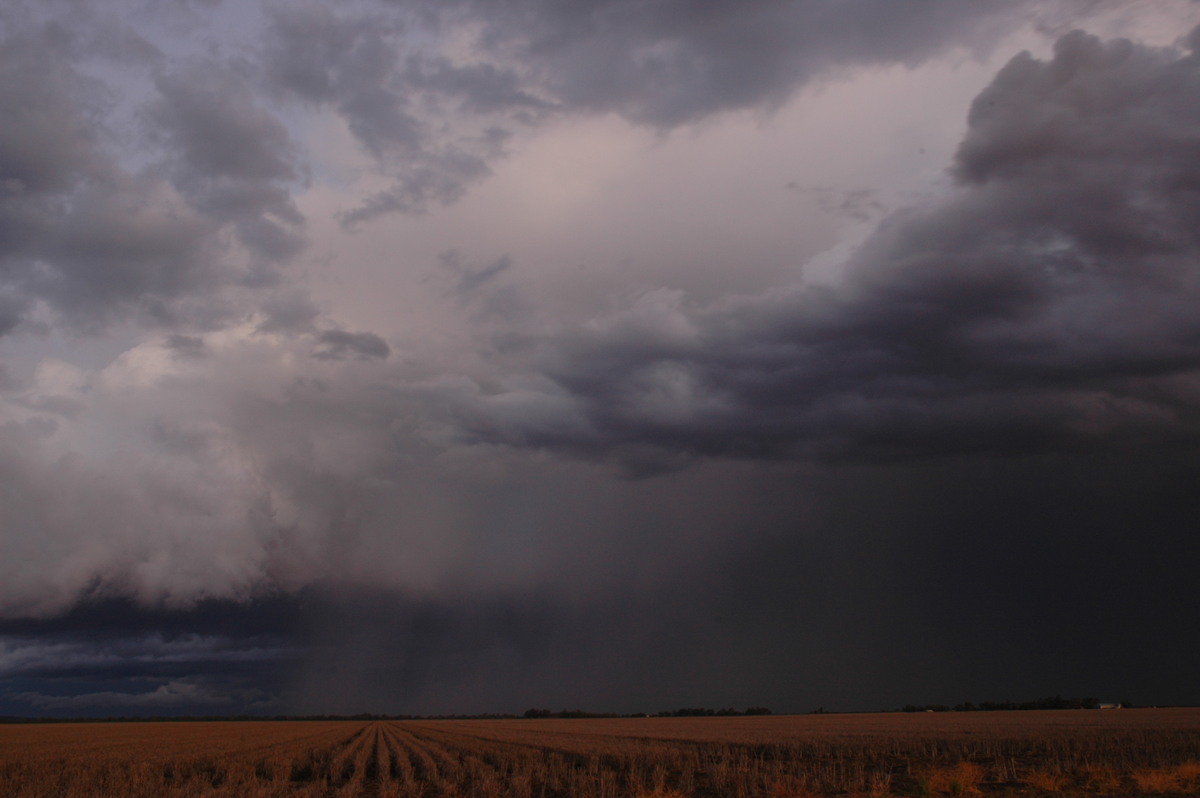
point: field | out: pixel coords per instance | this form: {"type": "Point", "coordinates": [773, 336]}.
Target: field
{"type": "Point", "coordinates": [1099, 752]}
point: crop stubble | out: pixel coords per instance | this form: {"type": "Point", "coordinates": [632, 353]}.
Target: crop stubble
{"type": "Point", "coordinates": [1015, 753]}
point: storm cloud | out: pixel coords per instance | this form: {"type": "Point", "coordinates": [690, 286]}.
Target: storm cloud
{"type": "Point", "coordinates": [626, 355]}
{"type": "Point", "coordinates": [1046, 304]}
{"type": "Point", "coordinates": [671, 62]}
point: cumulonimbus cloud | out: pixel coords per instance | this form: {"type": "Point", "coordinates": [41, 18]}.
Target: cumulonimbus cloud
{"type": "Point", "coordinates": [1045, 304]}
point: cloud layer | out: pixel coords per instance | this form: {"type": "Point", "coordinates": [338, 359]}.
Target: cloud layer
{"type": "Point", "coordinates": [483, 335]}
{"type": "Point", "coordinates": [1043, 305]}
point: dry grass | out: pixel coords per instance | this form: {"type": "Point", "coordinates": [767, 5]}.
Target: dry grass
{"type": "Point", "coordinates": [1156, 781]}
{"type": "Point", "coordinates": [1047, 780]}
{"type": "Point", "coordinates": [962, 778]}
{"type": "Point", "coordinates": [1027, 753]}
{"type": "Point", "coordinates": [1102, 780]}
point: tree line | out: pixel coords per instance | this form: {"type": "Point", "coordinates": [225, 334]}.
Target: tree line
{"type": "Point", "coordinates": [1052, 702]}
{"type": "Point", "coordinates": [684, 712]}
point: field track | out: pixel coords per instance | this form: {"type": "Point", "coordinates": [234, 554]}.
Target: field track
{"type": "Point", "coordinates": [1126, 752]}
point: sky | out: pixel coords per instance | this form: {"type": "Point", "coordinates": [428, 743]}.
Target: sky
{"type": "Point", "coordinates": [466, 357]}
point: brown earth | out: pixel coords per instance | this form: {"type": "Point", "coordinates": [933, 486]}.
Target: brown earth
{"type": "Point", "coordinates": [1080, 752]}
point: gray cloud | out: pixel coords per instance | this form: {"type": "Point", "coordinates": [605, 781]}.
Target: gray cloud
{"type": "Point", "coordinates": [236, 472]}
{"type": "Point", "coordinates": [186, 345]}
{"type": "Point", "coordinates": [23, 656]}
{"type": "Point", "coordinates": [337, 344]}
{"type": "Point", "coordinates": [288, 312]}
{"type": "Point", "coordinates": [433, 179]}
{"type": "Point", "coordinates": [127, 243]}
{"type": "Point", "coordinates": [987, 323]}
{"type": "Point", "coordinates": [471, 279]}
{"type": "Point", "coordinates": [94, 232]}
{"type": "Point", "coordinates": [476, 88]}
{"type": "Point", "coordinates": [93, 238]}
{"type": "Point", "coordinates": [47, 144]}
{"type": "Point", "coordinates": [819, 451]}
{"type": "Point", "coordinates": [435, 124]}
{"type": "Point", "coordinates": [1046, 304]}
{"type": "Point", "coordinates": [670, 62]}
{"type": "Point", "coordinates": [389, 95]}
{"type": "Point", "coordinates": [45, 149]}
{"type": "Point", "coordinates": [110, 655]}
{"type": "Point", "coordinates": [172, 695]}
{"type": "Point", "coordinates": [217, 128]}
{"type": "Point", "coordinates": [231, 157]}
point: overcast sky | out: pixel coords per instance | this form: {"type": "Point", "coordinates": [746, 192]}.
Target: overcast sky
{"type": "Point", "coordinates": [472, 356]}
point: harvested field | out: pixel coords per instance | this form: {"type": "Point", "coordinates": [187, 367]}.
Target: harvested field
{"type": "Point", "coordinates": [1122, 752]}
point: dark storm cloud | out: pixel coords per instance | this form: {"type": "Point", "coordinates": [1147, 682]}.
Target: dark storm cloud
{"type": "Point", "coordinates": [218, 129]}
{"type": "Point", "coordinates": [1047, 305]}
{"type": "Point", "coordinates": [230, 156]}
{"type": "Point", "coordinates": [101, 619]}
{"type": "Point", "coordinates": [471, 279]}
{"type": "Point", "coordinates": [186, 345]}
{"type": "Point", "coordinates": [1042, 316]}
{"type": "Point", "coordinates": [338, 344]}
{"type": "Point", "coordinates": [46, 143]}
{"type": "Point", "coordinates": [288, 312]}
{"type": "Point", "coordinates": [12, 307]}
{"type": "Point", "coordinates": [172, 696]}
{"type": "Point", "coordinates": [152, 655]}
{"type": "Point", "coordinates": [94, 239]}
{"type": "Point", "coordinates": [478, 88]}
{"type": "Point", "coordinates": [46, 148]}
{"type": "Point", "coordinates": [669, 62]}
{"type": "Point", "coordinates": [433, 179]}
{"type": "Point", "coordinates": [96, 233]}
{"type": "Point", "coordinates": [123, 242]}
{"type": "Point", "coordinates": [81, 31]}
{"type": "Point", "coordinates": [383, 88]}
{"type": "Point", "coordinates": [112, 656]}
{"type": "Point", "coordinates": [435, 124]}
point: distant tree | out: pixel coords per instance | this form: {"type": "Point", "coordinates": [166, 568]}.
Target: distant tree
{"type": "Point", "coordinates": [757, 711]}
{"type": "Point", "coordinates": [575, 713]}
{"type": "Point", "coordinates": [538, 713]}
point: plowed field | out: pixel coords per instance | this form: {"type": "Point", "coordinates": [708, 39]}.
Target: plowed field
{"type": "Point", "coordinates": [1121, 752]}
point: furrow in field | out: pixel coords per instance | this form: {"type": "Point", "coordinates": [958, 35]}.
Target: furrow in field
{"type": "Point", "coordinates": [296, 759]}
{"type": "Point", "coordinates": [504, 754]}
{"type": "Point", "coordinates": [343, 766]}
{"type": "Point", "coordinates": [573, 744]}
{"type": "Point", "coordinates": [361, 770]}
{"type": "Point", "coordinates": [481, 768]}
{"type": "Point", "coordinates": [503, 760]}
{"type": "Point", "coordinates": [401, 769]}
{"type": "Point", "coordinates": [424, 767]}
{"type": "Point", "coordinates": [448, 763]}
{"type": "Point", "coordinates": [381, 765]}
{"type": "Point", "coordinates": [375, 761]}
